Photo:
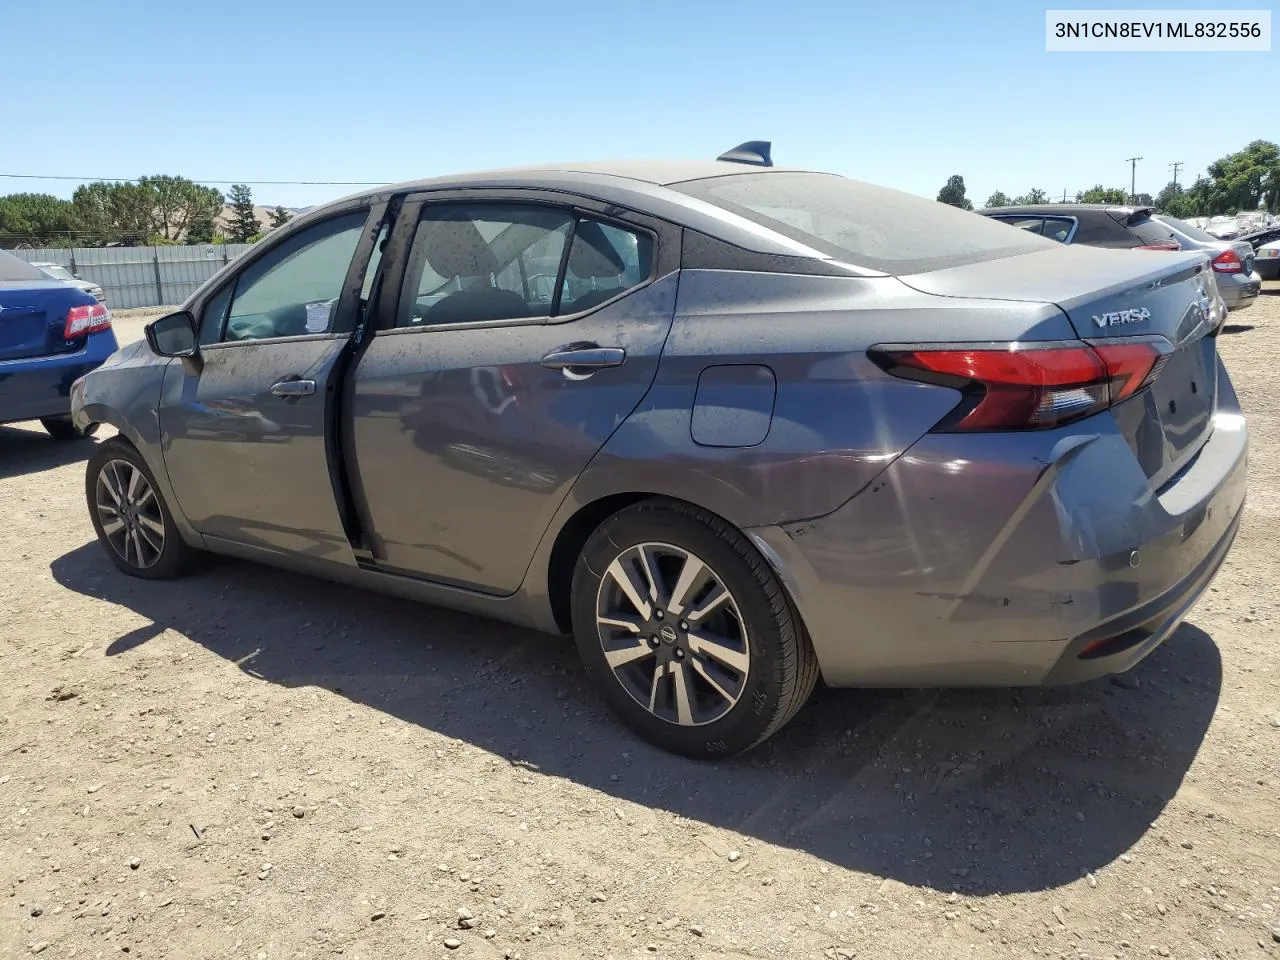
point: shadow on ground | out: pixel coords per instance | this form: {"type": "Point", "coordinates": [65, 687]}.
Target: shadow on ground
{"type": "Point", "coordinates": [24, 451]}
{"type": "Point", "coordinates": [980, 791]}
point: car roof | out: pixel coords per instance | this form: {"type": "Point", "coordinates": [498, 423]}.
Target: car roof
{"type": "Point", "coordinates": [657, 172]}
{"type": "Point", "coordinates": [641, 185]}
{"type": "Point", "coordinates": [1067, 209]}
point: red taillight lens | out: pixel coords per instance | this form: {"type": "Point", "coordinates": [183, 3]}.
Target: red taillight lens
{"type": "Point", "coordinates": [1029, 386]}
{"type": "Point", "coordinates": [84, 320]}
{"type": "Point", "coordinates": [1227, 262]}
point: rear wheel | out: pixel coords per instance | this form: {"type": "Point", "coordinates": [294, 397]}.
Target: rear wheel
{"type": "Point", "coordinates": [686, 632]}
{"type": "Point", "coordinates": [129, 514]}
{"type": "Point", "coordinates": [61, 428]}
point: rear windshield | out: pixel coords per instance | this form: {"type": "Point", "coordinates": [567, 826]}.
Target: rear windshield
{"type": "Point", "coordinates": [1189, 230]}
{"type": "Point", "coordinates": [14, 268]}
{"type": "Point", "coordinates": [862, 224]}
{"type": "Point", "coordinates": [1152, 231]}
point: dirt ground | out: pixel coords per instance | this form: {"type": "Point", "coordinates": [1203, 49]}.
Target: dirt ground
{"type": "Point", "coordinates": [253, 764]}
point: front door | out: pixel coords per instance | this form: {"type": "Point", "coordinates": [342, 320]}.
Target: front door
{"type": "Point", "coordinates": [524, 334]}
{"type": "Point", "coordinates": [247, 428]}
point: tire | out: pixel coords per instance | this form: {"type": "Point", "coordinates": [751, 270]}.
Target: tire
{"type": "Point", "coordinates": [61, 428]}
{"type": "Point", "coordinates": [147, 543]}
{"type": "Point", "coordinates": [744, 660]}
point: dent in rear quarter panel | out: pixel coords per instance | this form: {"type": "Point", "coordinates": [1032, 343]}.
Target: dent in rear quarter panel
{"type": "Point", "coordinates": [976, 559]}
{"type": "Point", "coordinates": [837, 421]}
{"type": "Point", "coordinates": [125, 393]}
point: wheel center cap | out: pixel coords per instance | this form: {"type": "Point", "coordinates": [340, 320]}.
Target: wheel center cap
{"type": "Point", "coordinates": [667, 633]}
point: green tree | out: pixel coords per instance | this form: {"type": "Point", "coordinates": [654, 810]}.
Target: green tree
{"type": "Point", "coordinates": [1101, 194]}
{"type": "Point", "coordinates": [998, 199]}
{"type": "Point", "coordinates": [1169, 194]}
{"type": "Point", "coordinates": [279, 217]}
{"type": "Point", "coordinates": [201, 231]}
{"type": "Point", "coordinates": [177, 203]}
{"type": "Point", "coordinates": [953, 193]}
{"type": "Point", "coordinates": [244, 222]}
{"type": "Point", "coordinates": [1032, 197]}
{"type": "Point", "coordinates": [1246, 179]}
{"type": "Point", "coordinates": [36, 218]}
{"type": "Point", "coordinates": [113, 212]}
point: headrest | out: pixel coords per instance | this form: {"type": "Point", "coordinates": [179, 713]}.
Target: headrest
{"type": "Point", "coordinates": [592, 254]}
{"type": "Point", "coordinates": [455, 248]}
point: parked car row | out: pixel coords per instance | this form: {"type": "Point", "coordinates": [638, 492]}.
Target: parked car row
{"type": "Point", "coordinates": [1141, 228]}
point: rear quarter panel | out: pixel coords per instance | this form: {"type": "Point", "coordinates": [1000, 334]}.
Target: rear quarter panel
{"type": "Point", "coordinates": [837, 420]}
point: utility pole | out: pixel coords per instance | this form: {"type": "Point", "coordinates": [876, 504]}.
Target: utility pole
{"type": "Point", "coordinates": [1064, 194]}
{"type": "Point", "coordinates": [1176, 166]}
{"type": "Point", "coordinates": [1133, 178]}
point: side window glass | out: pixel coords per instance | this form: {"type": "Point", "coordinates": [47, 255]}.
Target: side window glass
{"type": "Point", "coordinates": [375, 261]}
{"type": "Point", "coordinates": [604, 261]}
{"type": "Point", "coordinates": [1057, 229]}
{"type": "Point", "coordinates": [214, 316]}
{"type": "Point", "coordinates": [293, 290]}
{"type": "Point", "coordinates": [1029, 224]}
{"type": "Point", "coordinates": [473, 262]}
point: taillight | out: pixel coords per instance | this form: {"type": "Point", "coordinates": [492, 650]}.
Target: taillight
{"type": "Point", "coordinates": [1162, 245]}
{"type": "Point", "coordinates": [87, 319]}
{"type": "Point", "coordinates": [1227, 262]}
{"type": "Point", "coordinates": [1030, 386]}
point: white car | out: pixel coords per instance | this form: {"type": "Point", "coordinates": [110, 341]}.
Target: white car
{"type": "Point", "coordinates": [56, 271]}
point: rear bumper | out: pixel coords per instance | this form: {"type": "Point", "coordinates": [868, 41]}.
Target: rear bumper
{"type": "Point", "coordinates": [1239, 290]}
{"type": "Point", "coordinates": [998, 560]}
{"type": "Point", "coordinates": [1267, 269]}
{"type": "Point", "coordinates": [37, 387]}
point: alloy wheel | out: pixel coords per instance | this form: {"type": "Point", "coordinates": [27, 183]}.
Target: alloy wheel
{"type": "Point", "coordinates": [672, 634]}
{"type": "Point", "coordinates": [129, 512]}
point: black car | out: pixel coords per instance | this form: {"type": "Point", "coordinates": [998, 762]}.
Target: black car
{"type": "Point", "coordinates": [1268, 235]}
{"type": "Point", "coordinates": [1093, 224]}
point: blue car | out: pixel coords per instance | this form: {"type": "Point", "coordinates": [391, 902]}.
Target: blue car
{"type": "Point", "coordinates": [51, 333]}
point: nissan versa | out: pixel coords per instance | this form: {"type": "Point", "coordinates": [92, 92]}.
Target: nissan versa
{"type": "Point", "coordinates": [734, 427]}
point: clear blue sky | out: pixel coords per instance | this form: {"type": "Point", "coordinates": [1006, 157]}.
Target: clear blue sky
{"type": "Point", "coordinates": [900, 94]}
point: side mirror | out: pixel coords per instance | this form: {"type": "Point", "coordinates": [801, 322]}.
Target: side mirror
{"type": "Point", "coordinates": [173, 335]}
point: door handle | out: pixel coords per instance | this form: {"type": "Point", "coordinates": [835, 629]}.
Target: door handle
{"type": "Point", "coordinates": [293, 388]}
{"type": "Point", "coordinates": [584, 356]}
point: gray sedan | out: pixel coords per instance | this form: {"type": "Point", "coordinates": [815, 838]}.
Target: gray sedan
{"type": "Point", "coordinates": [1232, 260]}
{"type": "Point", "coordinates": [735, 428]}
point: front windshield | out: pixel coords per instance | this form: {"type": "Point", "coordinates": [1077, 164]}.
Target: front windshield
{"type": "Point", "coordinates": [57, 272]}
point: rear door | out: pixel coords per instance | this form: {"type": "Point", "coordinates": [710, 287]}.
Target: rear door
{"type": "Point", "coordinates": [516, 332]}
{"type": "Point", "coordinates": [248, 429]}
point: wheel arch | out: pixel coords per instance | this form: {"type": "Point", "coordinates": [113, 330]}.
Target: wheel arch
{"type": "Point", "coordinates": [101, 413]}
{"type": "Point", "coordinates": [573, 534]}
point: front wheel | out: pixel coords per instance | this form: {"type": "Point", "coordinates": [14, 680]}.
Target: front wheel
{"type": "Point", "coordinates": [686, 632]}
{"type": "Point", "coordinates": [129, 514]}
{"type": "Point", "coordinates": [61, 428]}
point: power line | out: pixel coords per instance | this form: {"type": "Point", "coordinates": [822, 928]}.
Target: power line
{"type": "Point", "coordinates": [255, 183]}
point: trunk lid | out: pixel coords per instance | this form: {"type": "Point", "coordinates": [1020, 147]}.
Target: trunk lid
{"type": "Point", "coordinates": [1113, 294]}
{"type": "Point", "coordinates": [1244, 250]}
{"type": "Point", "coordinates": [33, 318]}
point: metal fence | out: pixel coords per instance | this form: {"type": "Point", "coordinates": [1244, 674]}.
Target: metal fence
{"type": "Point", "coordinates": [140, 276]}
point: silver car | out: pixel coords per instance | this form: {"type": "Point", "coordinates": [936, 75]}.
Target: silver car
{"type": "Point", "coordinates": [1232, 261]}
{"type": "Point", "coordinates": [735, 428]}
{"type": "Point", "coordinates": [56, 271]}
